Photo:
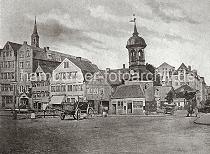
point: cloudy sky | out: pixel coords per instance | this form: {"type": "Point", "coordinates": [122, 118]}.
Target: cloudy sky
{"type": "Point", "coordinates": [175, 31]}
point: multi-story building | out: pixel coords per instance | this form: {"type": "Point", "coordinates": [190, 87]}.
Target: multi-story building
{"type": "Point", "coordinates": [8, 75]}
{"type": "Point", "coordinates": [185, 76]}
{"type": "Point", "coordinates": [69, 80]}
{"type": "Point", "coordinates": [165, 71]}
{"type": "Point", "coordinates": [41, 83]}
{"type": "Point", "coordinates": [98, 91]}
{"type": "Point", "coordinates": [207, 92]}
{"type": "Point", "coordinates": [17, 63]}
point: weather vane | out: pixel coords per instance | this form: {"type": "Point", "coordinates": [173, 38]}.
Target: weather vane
{"type": "Point", "coordinates": [134, 19]}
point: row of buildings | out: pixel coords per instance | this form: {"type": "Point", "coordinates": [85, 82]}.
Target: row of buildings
{"type": "Point", "coordinates": [35, 77]}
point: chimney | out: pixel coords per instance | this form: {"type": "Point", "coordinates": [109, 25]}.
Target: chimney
{"type": "Point", "coordinates": [107, 69]}
{"type": "Point", "coordinates": [123, 66]}
{"type": "Point", "coordinates": [189, 68]}
{"type": "Point", "coordinates": [45, 49]}
{"type": "Point", "coordinates": [24, 42]}
{"type": "Point", "coordinates": [78, 58]}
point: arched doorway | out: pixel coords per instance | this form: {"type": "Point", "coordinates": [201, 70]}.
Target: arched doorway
{"type": "Point", "coordinates": [24, 102]}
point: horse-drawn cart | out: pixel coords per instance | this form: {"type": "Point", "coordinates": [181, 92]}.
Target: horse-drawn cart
{"type": "Point", "coordinates": [76, 109]}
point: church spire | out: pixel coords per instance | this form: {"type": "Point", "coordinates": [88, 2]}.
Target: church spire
{"type": "Point", "coordinates": [35, 36]}
{"type": "Point", "coordinates": [35, 27]}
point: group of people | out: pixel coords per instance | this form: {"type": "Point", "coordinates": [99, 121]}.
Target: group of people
{"type": "Point", "coordinates": [192, 110]}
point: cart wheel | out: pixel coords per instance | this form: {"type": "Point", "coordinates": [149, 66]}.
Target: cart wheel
{"type": "Point", "coordinates": [62, 116]}
{"type": "Point", "coordinates": [78, 114]}
{"type": "Point", "coordinates": [90, 113]}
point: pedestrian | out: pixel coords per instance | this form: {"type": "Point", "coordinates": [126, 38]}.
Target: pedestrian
{"type": "Point", "coordinates": [196, 111]}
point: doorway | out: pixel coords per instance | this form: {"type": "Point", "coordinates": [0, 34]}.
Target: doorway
{"type": "Point", "coordinates": [114, 109]}
{"type": "Point", "coordinates": [129, 108]}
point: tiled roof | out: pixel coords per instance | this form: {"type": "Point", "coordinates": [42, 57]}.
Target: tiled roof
{"type": "Point", "coordinates": [15, 46]}
{"type": "Point", "coordinates": [47, 66]}
{"type": "Point", "coordinates": [85, 66]}
{"type": "Point", "coordinates": [128, 91]}
{"type": "Point", "coordinates": [184, 88]}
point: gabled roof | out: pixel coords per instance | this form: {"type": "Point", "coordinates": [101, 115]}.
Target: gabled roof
{"type": "Point", "coordinates": [128, 91]}
{"type": "Point", "coordinates": [15, 46]}
{"type": "Point", "coordinates": [184, 88]}
{"type": "Point", "coordinates": [182, 66]}
{"type": "Point", "coordinates": [165, 64]}
{"type": "Point", "coordinates": [47, 66]}
{"type": "Point", "coordinates": [85, 66]}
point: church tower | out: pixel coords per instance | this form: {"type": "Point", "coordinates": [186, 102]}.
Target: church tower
{"type": "Point", "coordinates": [135, 46]}
{"type": "Point", "coordinates": [35, 36]}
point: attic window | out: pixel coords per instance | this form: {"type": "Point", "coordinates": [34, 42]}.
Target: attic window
{"type": "Point", "coordinates": [66, 64]}
{"type": "Point", "coordinates": [7, 47]}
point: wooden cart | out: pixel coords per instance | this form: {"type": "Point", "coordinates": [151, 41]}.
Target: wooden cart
{"type": "Point", "coordinates": [76, 109]}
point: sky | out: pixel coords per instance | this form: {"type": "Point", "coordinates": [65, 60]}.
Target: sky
{"type": "Point", "coordinates": [175, 31]}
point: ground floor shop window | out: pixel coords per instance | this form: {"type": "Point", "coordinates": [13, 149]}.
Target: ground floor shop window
{"type": "Point", "coordinates": [137, 104]}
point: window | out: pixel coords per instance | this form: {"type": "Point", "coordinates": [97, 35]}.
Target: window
{"type": "Point", "coordinates": [69, 87]}
{"type": "Point", "coordinates": [28, 64]}
{"type": "Point", "coordinates": [137, 104]}
{"type": "Point", "coordinates": [21, 64]}
{"type": "Point", "coordinates": [68, 75]}
{"type": "Point", "coordinates": [12, 75]}
{"type": "Point", "coordinates": [64, 75]}
{"type": "Point", "coordinates": [53, 89]}
{"type": "Point", "coordinates": [74, 88]}
{"type": "Point", "coordinates": [58, 88]}
{"type": "Point", "coordinates": [181, 77]}
{"type": "Point", "coordinates": [21, 54]}
{"type": "Point", "coordinates": [27, 53]}
{"type": "Point", "coordinates": [5, 64]}
{"type": "Point", "coordinates": [1, 65]}
{"type": "Point", "coordinates": [72, 100]}
{"type": "Point", "coordinates": [7, 47]}
{"type": "Point", "coordinates": [66, 64]}
{"type": "Point", "coordinates": [63, 88]}
{"type": "Point", "coordinates": [57, 76]}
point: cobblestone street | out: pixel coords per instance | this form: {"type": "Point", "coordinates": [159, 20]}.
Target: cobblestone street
{"type": "Point", "coordinates": [170, 134]}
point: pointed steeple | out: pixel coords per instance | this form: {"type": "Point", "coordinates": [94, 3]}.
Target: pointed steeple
{"type": "Point", "coordinates": [135, 32]}
{"type": "Point", "coordinates": [35, 36]}
{"type": "Point", "coordinates": [35, 27]}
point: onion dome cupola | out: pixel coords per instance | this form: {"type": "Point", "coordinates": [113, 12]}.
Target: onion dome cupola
{"type": "Point", "coordinates": [135, 46]}
{"type": "Point", "coordinates": [136, 40]}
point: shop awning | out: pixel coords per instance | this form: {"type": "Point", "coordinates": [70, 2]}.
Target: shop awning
{"type": "Point", "coordinates": [57, 99]}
